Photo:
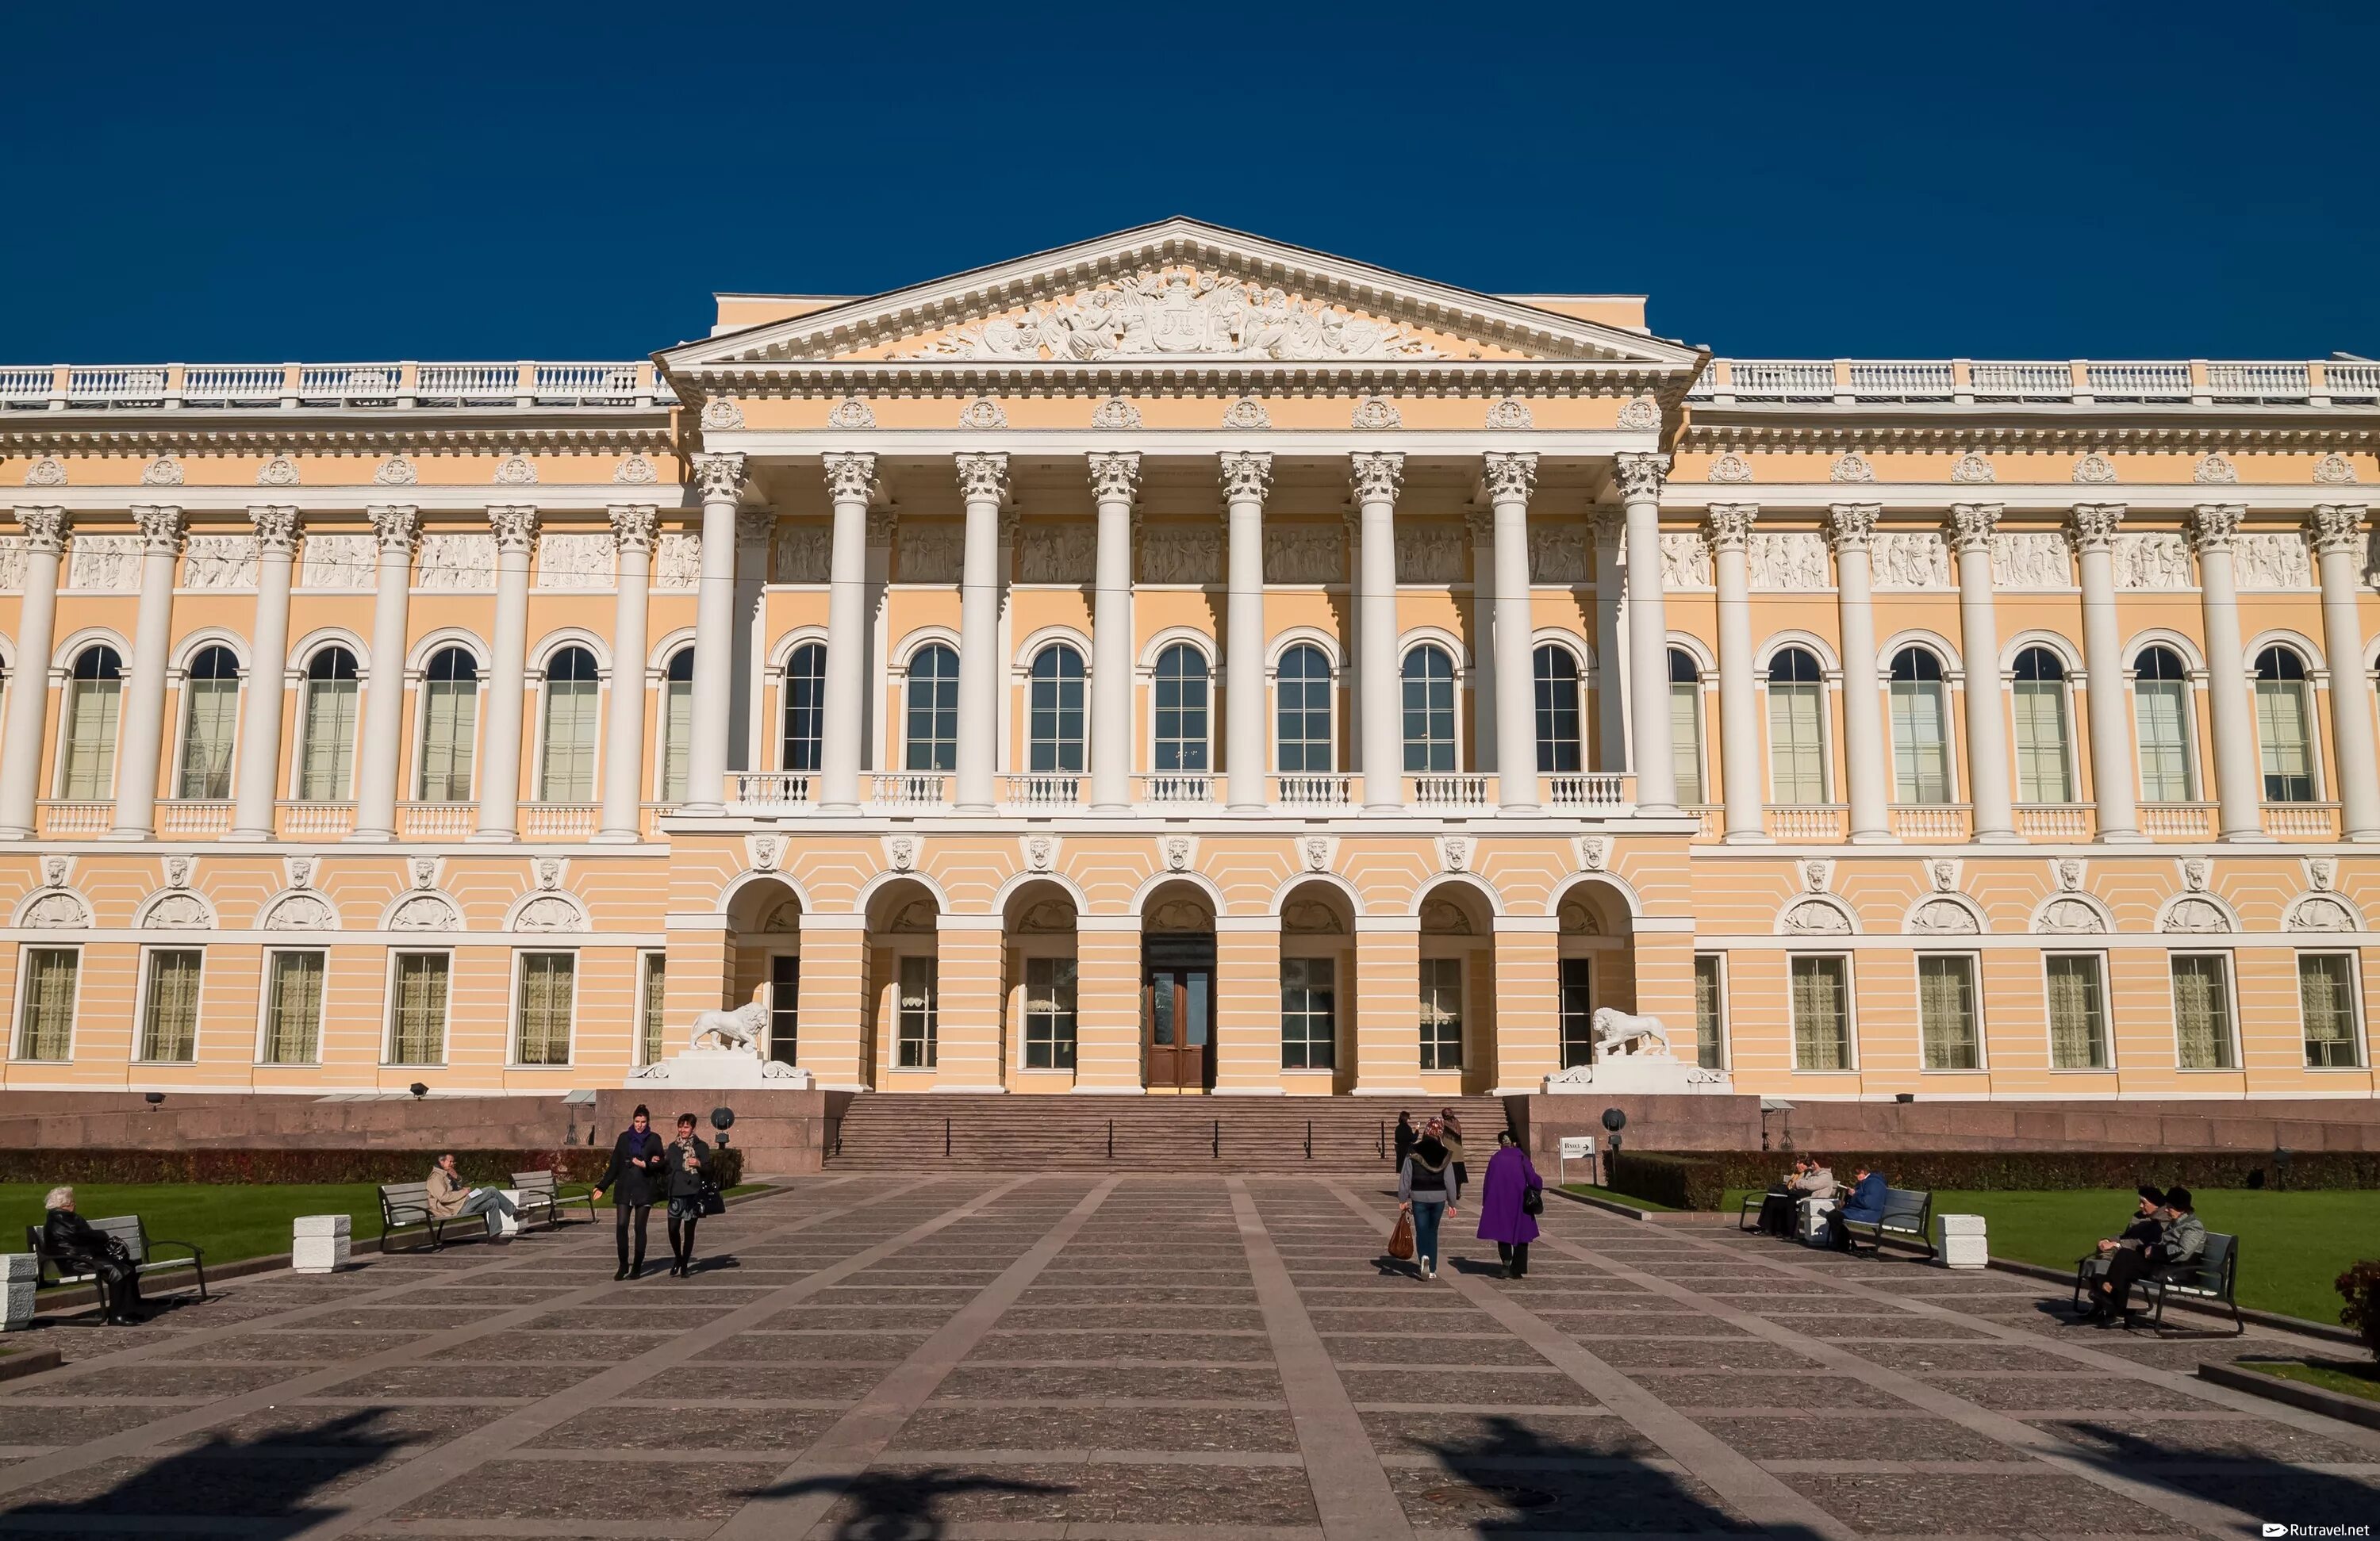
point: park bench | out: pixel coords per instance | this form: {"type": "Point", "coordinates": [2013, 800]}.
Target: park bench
{"type": "Point", "coordinates": [404, 1206]}
{"type": "Point", "coordinates": [540, 1193]}
{"type": "Point", "coordinates": [1908, 1214]}
{"type": "Point", "coordinates": [2213, 1276]}
{"type": "Point", "coordinates": [137, 1242]}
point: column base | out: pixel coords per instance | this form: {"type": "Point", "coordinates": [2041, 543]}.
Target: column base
{"type": "Point", "coordinates": [1999, 837]}
{"type": "Point", "coordinates": [129, 834]}
{"type": "Point", "coordinates": [842, 809]}
{"type": "Point", "coordinates": [1521, 811]}
{"type": "Point", "coordinates": [982, 809]}
{"type": "Point", "coordinates": [1747, 837]}
{"type": "Point", "coordinates": [371, 837]}
{"type": "Point", "coordinates": [704, 810]}
{"type": "Point", "coordinates": [235, 837]}
{"type": "Point", "coordinates": [1384, 810]}
{"type": "Point", "coordinates": [2353, 837]}
{"type": "Point", "coordinates": [2123, 837]}
{"type": "Point", "coordinates": [1874, 837]}
{"type": "Point", "coordinates": [615, 837]}
{"type": "Point", "coordinates": [491, 837]}
{"type": "Point", "coordinates": [2244, 837]}
{"type": "Point", "coordinates": [15, 833]}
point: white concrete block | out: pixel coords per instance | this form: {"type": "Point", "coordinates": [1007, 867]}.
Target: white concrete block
{"type": "Point", "coordinates": [1962, 1225]}
{"type": "Point", "coordinates": [20, 1265]}
{"type": "Point", "coordinates": [1966, 1252]}
{"type": "Point", "coordinates": [19, 1305]}
{"type": "Point", "coordinates": [322, 1225]}
{"type": "Point", "coordinates": [1814, 1220]}
{"type": "Point", "coordinates": [319, 1254]}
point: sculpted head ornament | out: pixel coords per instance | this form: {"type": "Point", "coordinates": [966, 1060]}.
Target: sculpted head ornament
{"type": "Point", "coordinates": [1852, 468]}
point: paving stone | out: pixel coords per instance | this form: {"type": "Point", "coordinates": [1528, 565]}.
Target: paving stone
{"type": "Point", "coordinates": [690, 1426]}
{"type": "Point", "coordinates": [893, 1499]}
{"type": "Point", "coordinates": [858, 1348]}
{"type": "Point", "coordinates": [2269, 1491]}
{"type": "Point", "coordinates": [2152, 1441]}
{"type": "Point", "coordinates": [791, 1380]}
{"type": "Point", "coordinates": [1923, 1359]}
{"type": "Point", "coordinates": [1499, 1501]}
{"type": "Point", "coordinates": [1891, 1504]}
{"type": "Point", "coordinates": [1480, 1387]}
{"type": "Point", "coordinates": [1601, 1435]}
{"type": "Point", "coordinates": [2084, 1390]}
{"type": "Point", "coordinates": [626, 1489]}
{"type": "Point", "coordinates": [1432, 1348]}
{"type": "Point", "coordinates": [1847, 1436]}
{"type": "Point", "coordinates": [292, 1348]}
{"type": "Point", "coordinates": [1097, 1428]}
{"type": "Point", "coordinates": [1693, 1389]}
{"type": "Point", "coordinates": [178, 1381]}
{"type": "Point", "coordinates": [192, 1482]}
{"type": "Point", "coordinates": [459, 1380]}
{"type": "Point", "coordinates": [1721, 1353]}
{"type": "Point", "coordinates": [966, 1384]}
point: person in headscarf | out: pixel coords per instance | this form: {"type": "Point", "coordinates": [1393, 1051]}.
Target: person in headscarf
{"type": "Point", "coordinates": [82, 1247]}
{"type": "Point", "coordinates": [1504, 1217]}
{"type": "Point", "coordinates": [1427, 1186]}
{"type": "Point", "coordinates": [634, 1179]}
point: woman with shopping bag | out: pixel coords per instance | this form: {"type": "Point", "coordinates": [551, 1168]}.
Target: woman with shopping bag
{"type": "Point", "coordinates": [1427, 1186]}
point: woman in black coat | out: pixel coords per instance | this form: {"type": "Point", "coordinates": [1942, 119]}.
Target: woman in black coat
{"type": "Point", "coordinates": [685, 1168]}
{"type": "Point", "coordinates": [84, 1248]}
{"type": "Point", "coordinates": [633, 1180]}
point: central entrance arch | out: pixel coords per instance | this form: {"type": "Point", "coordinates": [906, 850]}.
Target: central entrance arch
{"type": "Point", "coordinates": [1177, 993]}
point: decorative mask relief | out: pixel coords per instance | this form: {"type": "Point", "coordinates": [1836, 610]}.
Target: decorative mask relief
{"type": "Point", "coordinates": [1057, 553]}
{"type": "Point", "coordinates": [301, 912]}
{"type": "Point", "coordinates": [220, 562]}
{"type": "Point", "coordinates": [1790, 560]}
{"type": "Point", "coordinates": [1316, 852]}
{"type": "Point", "coordinates": [1041, 852]}
{"type": "Point", "coordinates": [1454, 852]}
{"type": "Point", "coordinates": [1306, 553]}
{"type": "Point", "coordinates": [2068, 916]}
{"type": "Point", "coordinates": [2029, 559]}
{"type": "Point", "coordinates": [1817, 917]}
{"type": "Point", "coordinates": [902, 853]}
{"type": "Point", "coordinates": [338, 564]}
{"type": "Point", "coordinates": [1430, 554]}
{"type": "Point", "coordinates": [1558, 554]}
{"type": "Point", "coordinates": [1817, 873]}
{"type": "Point", "coordinates": [677, 559]}
{"type": "Point", "coordinates": [1943, 918]}
{"type": "Point", "coordinates": [1911, 559]}
{"type": "Point", "coordinates": [1177, 852]}
{"type": "Point", "coordinates": [801, 553]}
{"type": "Point", "coordinates": [1593, 853]}
{"type": "Point", "coordinates": [721, 412]}
{"type": "Point", "coordinates": [456, 560]}
{"type": "Point", "coordinates": [1972, 468]}
{"type": "Point", "coordinates": [2151, 559]}
{"type": "Point", "coordinates": [1180, 553]}
{"type": "Point", "coordinates": [1685, 560]}
{"type": "Point", "coordinates": [574, 561]}
{"type": "Point", "coordinates": [1246, 412]}
{"type": "Point", "coordinates": [1178, 311]}
{"type": "Point", "coordinates": [2215, 471]}
{"type": "Point", "coordinates": [2272, 560]}
{"type": "Point", "coordinates": [930, 553]}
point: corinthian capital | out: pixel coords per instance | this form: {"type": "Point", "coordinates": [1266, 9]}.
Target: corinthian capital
{"type": "Point", "coordinates": [46, 527]}
{"type": "Point", "coordinates": [161, 527]}
{"type": "Point", "coordinates": [633, 526]}
{"type": "Point", "coordinates": [754, 526]}
{"type": "Point", "coordinates": [983, 477]}
{"type": "Point", "coordinates": [1247, 475]}
{"type": "Point", "coordinates": [1852, 525]}
{"type": "Point", "coordinates": [515, 526]}
{"type": "Point", "coordinates": [1510, 476]}
{"type": "Point", "coordinates": [276, 528]}
{"type": "Point", "coordinates": [1378, 476]}
{"type": "Point", "coordinates": [851, 478]}
{"type": "Point", "coordinates": [1640, 475]}
{"type": "Point", "coordinates": [2334, 527]}
{"type": "Point", "coordinates": [720, 476]}
{"type": "Point", "coordinates": [2212, 526]}
{"type": "Point", "coordinates": [1116, 476]}
{"type": "Point", "coordinates": [2092, 525]}
{"type": "Point", "coordinates": [1728, 526]}
{"type": "Point", "coordinates": [1969, 525]}
{"type": "Point", "coordinates": [397, 526]}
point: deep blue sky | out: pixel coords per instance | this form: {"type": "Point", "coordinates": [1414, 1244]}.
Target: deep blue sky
{"type": "Point", "coordinates": [495, 181]}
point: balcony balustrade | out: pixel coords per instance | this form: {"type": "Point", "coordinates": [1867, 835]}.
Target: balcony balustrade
{"type": "Point", "coordinates": [1822, 823]}
{"type": "Point", "coordinates": [1589, 792]}
{"type": "Point", "coordinates": [1038, 791]}
{"type": "Point", "coordinates": [317, 820]}
{"type": "Point", "coordinates": [400, 384]}
{"type": "Point", "coordinates": [1312, 789]}
{"type": "Point", "coordinates": [1177, 788]}
{"type": "Point", "coordinates": [1931, 820]}
{"type": "Point", "coordinates": [194, 816]}
{"type": "Point", "coordinates": [1710, 820]}
{"type": "Point", "coordinates": [1461, 792]}
{"type": "Point", "coordinates": [559, 820]}
{"type": "Point", "coordinates": [2054, 820]}
{"type": "Point", "coordinates": [2301, 820]}
{"type": "Point", "coordinates": [770, 791]}
{"type": "Point", "coordinates": [2177, 821]}
{"type": "Point", "coordinates": [62, 816]}
{"type": "Point", "coordinates": [2079, 381]}
{"type": "Point", "coordinates": [911, 791]}
{"type": "Point", "coordinates": [436, 820]}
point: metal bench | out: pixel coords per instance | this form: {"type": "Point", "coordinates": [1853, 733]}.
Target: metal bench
{"type": "Point", "coordinates": [540, 1193]}
{"type": "Point", "coordinates": [2213, 1276]}
{"type": "Point", "coordinates": [138, 1244]}
{"type": "Point", "coordinates": [1908, 1213]}
{"type": "Point", "coordinates": [405, 1206]}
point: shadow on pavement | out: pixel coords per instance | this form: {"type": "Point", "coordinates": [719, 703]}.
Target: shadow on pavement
{"type": "Point", "coordinates": [266, 1486]}
{"type": "Point", "coordinates": [898, 1505]}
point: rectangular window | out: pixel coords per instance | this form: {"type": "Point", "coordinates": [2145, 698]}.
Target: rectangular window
{"type": "Point", "coordinates": [45, 1016]}
{"type": "Point", "coordinates": [1310, 1015]}
{"type": "Point", "coordinates": [1921, 743]}
{"type": "Point", "coordinates": [1796, 740]}
{"type": "Point", "coordinates": [292, 1008]}
{"type": "Point", "coordinates": [2326, 997]}
{"type": "Point", "coordinates": [677, 737]}
{"type": "Point", "coordinates": [2043, 774]}
{"type": "Point", "coordinates": [2285, 740]}
{"type": "Point", "coordinates": [1048, 1013]}
{"type": "Point", "coordinates": [89, 755]}
{"type": "Point", "coordinates": [1441, 1013]}
{"type": "Point", "coordinates": [1822, 1020]}
{"type": "Point", "coordinates": [1577, 1012]}
{"type": "Point", "coordinates": [1685, 741]}
{"type": "Point", "coordinates": [209, 725]}
{"type": "Point", "coordinates": [568, 774]}
{"type": "Point", "coordinates": [169, 1012]}
{"type": "Point", "coordinates": [2078, 1012]}
{"type": "Point", "coordinates": [917, 1002]}
{"type": "Point", "coordinates": [786, 1007]}
{"type": "Point", "coordinates": [2159, 718]}
{"type": "Point", "coordinates": [1710, 1012]}
{"type": "Point", "coordinates": [327, 741]}
{"type": "Point", "coordinates": [449, 714]}
{"type": "Point", "coordinates": [416, 1025]}
{"type": "Point", "coordinates": [549, 993]}
{"type": "Point", "coordinates": [1946, 1013]}
{"type": "Point", "coordinates": [2202, 1011]}
{"type": "Point", "coordinates": [654, 993]}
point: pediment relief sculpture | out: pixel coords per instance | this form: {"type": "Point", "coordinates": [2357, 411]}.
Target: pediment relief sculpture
{"type": "Point", "coordinates": [1179, 312]}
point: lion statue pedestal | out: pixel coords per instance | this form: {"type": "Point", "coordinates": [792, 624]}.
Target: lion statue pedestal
{"type": "Point", "coordinates": [732, 1060]}
{"type": "Point", "coordinates": [1631, 1054]}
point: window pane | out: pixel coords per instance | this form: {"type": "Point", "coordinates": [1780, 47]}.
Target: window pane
{"type": "Point", "coordinates": [677, 729]}
{"type": "Point", "coordinates": [549, 986]}
{"type": "Point", "coordinates": [1050, 1013]}
{"type": "Point", "coordinates": [2282, 735]}
{"type": "Point", "coordinates": [418, 1024]}
{"type": "Point", "coordinates": [2160, 718]}
{"type": "Point", "coordinates": [805, 727]}
{"type": "Point", "coordinates": [326, 755]}
{"type": "Point", "coordinates": [1181, 700]}
{"type": "Point", "coordinates": [293, 1009]}
{"type": "Point", "coordinates": [1054, 738]}
{"type": "Point", "coordinates": [1946, 1013]}
{"type": "Point", "coordinates": [2202, 1012]}
{"type": "Point", "coordinates": [655, 993]}
{"type": "Point", "coordinates": [2326, 996]}
{"type": "Point", "coordinates": [1309, 1034]}
{"type": "Point", "coordinates": [1577, 1012]}
{"type": "Point", "coordinates": [1796, 740]}
{"type": "Point", "coordinates": [1557, 726]}
{"type": "Point", "coordinates": [1710, 1015]}
{"type": "Point", "coordinates": [1430, 711]}
{"type": "Point", "coordinates": [1822, 1036]}
{"type": "Point", "coordinates": [932, 734]}
{"type": "Point", "coordinates": [210, 725]}
{"type": "Point", "coordinates": [2041, 759]}
{"type": "Point", "coordinates": [169, 1018]}
{"type": "Point", "coordinates": [1303, 703]}
{"type": "Point", "coordinates": [45, 1023]}
{"type": "Point", "coordinates": [1921, 742]}
{"type": "Point", "coordinates": [1685, 740]}
{"type": "Point", "coordinates": [90, 739]}
{"type": "Point", "coordinates": [1441, 1013]}
{"type": "Point", "coordinates": [449, 718]}
{"type": "Point", "coordinates": [571, 711]}
{"type": "Point", "coordinates": [786, 1007]}
{"type": "Point", "coordinates": [917, 1002]}
{"type": "Point", "coordinates": [2078, 1017]}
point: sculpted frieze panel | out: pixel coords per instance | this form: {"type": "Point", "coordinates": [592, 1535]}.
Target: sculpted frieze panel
{"type": "Point", "coordinates": [1306, 553]}
{"type": "Point", "coordinates": [930, 553]}
{"type": "Point", "coordinates": [12, 564]}
{"type": "Point", "coordinates": [1430, 554]}
{"type": "Point", "coordinates": [1057, 553]}
{"type": "Point", "coordinates": [1792, 559]}
{"type": "Point", "coordinates": [1911, 559]}
{"type": "Point", "coordinates": [574, 560]}
{"type": "Point", "coordinates": [220, 562]}
{"type": "Point", "coordinates": [456, 560]}
{"type": "Point", "coordinates": [677, 559]}
{"type": "Point", "coordinates": [2029, 559]}
{"type": "Point", "coordinates": [1558, 554]}
{"type": "Point", "coordinates": [2151, 559]}
{"type": "Point", "coordinates": [1177, 312]}
{"type": "Point", "coordinates": [2272, 560]}
{"type": "Point", "coordinates": [340, 563]}
{"type": "Point", "coordinates": [105, 561]}
{"type": "Point", "coordinates": [1685, 560]}
{"type": "Point", "coordinates": [1180, 553]}
{"type": "Point", "coordinates": [802, 552]}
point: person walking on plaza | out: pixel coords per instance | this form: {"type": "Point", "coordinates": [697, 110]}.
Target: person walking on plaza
{"type": "Point", "coordinates": [1427, 1186]}
{"type": "Point", "coordinates": [633, 1180]}
{"type": "Point", "coordinates": [1404, 1137]}
{"type": "Point", "coordinates": [686, 1169]}
{"type": "Point", "coordinates": [82, 1247]}
{"type": "Point", "coordinates": [1512, 1195]}
{"type": "Point", "coordinates": [451, 1198]}
{"type": "Point", "coordinates": [1453, 1139]}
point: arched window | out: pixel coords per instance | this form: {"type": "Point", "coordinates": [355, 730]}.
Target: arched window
{"type": "Point", "coordinates": [2161, 721]}
{"type": "Point", "coordinates": [1558, 730]}
{"type": "Point", "coordinates": [450, 714]}
{"type": "Point", "coordinates": [933, 729]}
{"type": "Point", "coordinates": [326, 728]}
{"type": "Point", "coordinates": [1054, 705]}
{"type": "Point", "coordinates": [677, 722]}
{"type": "Point", "coordinates": [1685, 726]}
{"type": "Point", "coordinates": [1181, 708]}
{"type": "Point", "coordinates": [804, 729]}
{"type": "Point", "coordinates": [87, 765]}
{"type": "Point", "coordinates": [1920, 728]}
{"type": "Point", "coordinates": [1429, 711]}
{"type": "Point", "coordinates": [567, 772]}
{"type": "Point", "coordinates": [2285, 726]}
{"type": "Point", "coordinates": [1797, 728]}
{"type": "Point", "coordinates": [210, 722]}
{"type": "Point", "coordinates": [2045, 769]}
{"type": "Point", "coordinates": [1302, 716]}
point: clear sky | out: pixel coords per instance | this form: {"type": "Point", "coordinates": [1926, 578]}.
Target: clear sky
{"type": "Point", "coordinates": [250, 182]}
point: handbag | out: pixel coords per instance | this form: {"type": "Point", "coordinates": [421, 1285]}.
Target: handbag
{"type": "Point", "coordinates": [712, 1203]}
{"type": "Point", "coordinates": [1400, 1239]}
{"type": "Point", "coordinates": [1533, 1201]}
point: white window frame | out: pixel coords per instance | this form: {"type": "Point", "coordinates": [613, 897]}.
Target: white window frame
{"type": "Point", "coordinates": [1828, 686]}
{"type": "Point", "coordinates": [899, 680]}
{"type": "Point", "coordinates": [2355, 1007]}
{"type": "Point", "coordinates": [1949, 721]}
{"type": "Point", "coordinates": [536, 726]}
{"type": "Point", "coordinates": [521, 956]}
{"type": "Point", "coordinates": [25, 951]}
{"type": "Point", "coordinates": [264, 1010]}
{"type": "Point", "coordinates": [150, 950]}
{"type": "Point", "coordinates": [890, 1038]}
{"type": "Point", "coordinates": [1726, 1037]}
{"type": "Point", "coordinates": [296, 770]}
{"type": "Point", "coordinates": [60, 731]}
{"type": "Point", "coordinates": [2071, 748]}
{"type": "Point", "coordinates": [178, 688]}
{"type": "Point", "coordinates": [645, 956]}
{"type": "Point", "coordinates": [1412, 644]}
{"type": "Point", "coordinates": [1465, 975]}
{"type": "Point", "coordinates": [1204, 646]}
{"type": "Point", "coordinates": [1849, 961]}
{"type": "Point", "coordinates": [1026, 949]}
{"type": "Point", "coordinates": [1580, 676]}
{"type": "Point", "coordinates": [388, 1011]}
{"type": "Point", "coordinates": [419, 679]}
{"type": "Point", "coordinates": [1704, 682]}
{"type": "Point", "coordinates": [1272, 692]}
{"type": "Point", "coordinates": [1024, 683]}
{"type": "Point", "coordinates": [2231, 1010]}
{"type": "Point", "coordinates": [657, 685]}
{"type": "Point", "coordinates": [2098, 956]}
{"type": "Point", "coordinates": [2313, 686]}
{"type": "Point", "coordinates": [781, 673]}
{"type": "Point", "coordinates": [1974, 961]}
{"type": "Point", "coordinates": [2192, 683]}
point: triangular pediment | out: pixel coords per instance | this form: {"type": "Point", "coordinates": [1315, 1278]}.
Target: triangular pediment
{"type": "Point", "coordinates": [1180, 294]}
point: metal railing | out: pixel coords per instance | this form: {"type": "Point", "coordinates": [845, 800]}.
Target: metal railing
{"type": "Point", "coordinates": [393, 384]}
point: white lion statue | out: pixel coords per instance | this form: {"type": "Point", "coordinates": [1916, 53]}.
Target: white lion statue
{"type": "Point", "coordinates": [740, 1028]}
{"type": "Point", "coordinates": [1618, 1032]}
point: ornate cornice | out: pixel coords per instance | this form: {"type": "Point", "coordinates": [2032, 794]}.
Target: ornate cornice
{"type": "Point", "coordinates": [1728, 526]}
{"type": "Point", "coordinates": [2338, 528]}
{"type": "Point", "coordinates": [373, 434]}
{"type": "Point", "coordinates": [1509, 476]}
{"type": "Point", "coordinates": [851, 478]}
{"type": "Point", "coordinates": [1851, 527]}
{"type": "Point", "coordinates": [2092, 526]}
{"type": "Point", "coordinates": [1115, 477]}
{"type": "Point", "coordinates": [1378, 475]}
{"type": "Point", "coordinates": [515, 527]}
{"type": "Point", "coordinates": [634, 527]}
{"type": "Point", "coordinates": [396, 527]}
{"type": "Point", "coordinates": [2022, 429]}
{"type": "Point", "coordinates": [45, 527]}
{"type": "Point", "coordinates": [719, 477]}
{"type": "Point", "coordinates": [1970, 525]}
{"type": "Point", "coordinates": [277, 527]}
{"type": "Point", "coordinates": [2214, 527]}
{"type": "Point", "coordinates": [1640, 475]}
{"type": "Point", "coordinates": [983, 477]}
{"type": "Point", "coordinates": [1247, 475]}
{"type": "Point", "coordinates": [161, 527]}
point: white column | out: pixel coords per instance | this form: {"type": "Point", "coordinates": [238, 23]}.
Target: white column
{"type": "Point", "coordinates": [267, 685]}
{"type": "Point", "coordinates": [1247, 477]}
{"type": "Point", "coordinates": [720, 478]}
{"type": "Point", "coordinates": [2340, 543]}
{"type": "Point", "coordinates": [1727, 528]}
{"type": "Point", "coordinates": [1640, 478]}
{"type": "Point", "coordinates": [747, 725]}
{"type": "Point", "coordinates": [1113, 479]}
{"type": "Point", "coordinates": [1482, 524]}
{"type": "Point", "coordinates": [1852, 525]}
{"type": "Point", "coordinates": [1379, 478]}
{"type": "Point", "coordinates": [2092, 528]}
{"type": "Point", "coordinates": [983, 482]}
{"type": "Point", "coordinates": [1604, 527]}
{"type": "Point", "coordinates": [1510, 480]}
{"type": "Point", "coordinates": [624, 742]}
{"type": "Point", "coordinates": [396, 529]}
{"type": "Point", "coordinates": [2239, 769]}
{"type": "Point", "coordinates": [1969, 531]}
{"type": "Point", "coordinates": [850, 480]}
{"type": "Point", "coordinates": [140, 743]}
{"type": "Point", "coordinates": [500, 757]}
{"type": "Point", "coordinates": [28, 699]}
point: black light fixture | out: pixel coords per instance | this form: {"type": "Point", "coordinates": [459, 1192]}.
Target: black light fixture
{"type": "Point", "coordinates": [723, 1118]}
{"type": "Point", "coordinates": [155, 1099]}
{"type": "Point", "coordinates": [419, 1089]}
{"type": "Point", "coordinates": [1614, 1121]}
{"type": "Point", "coordinates": [1904, 1097]}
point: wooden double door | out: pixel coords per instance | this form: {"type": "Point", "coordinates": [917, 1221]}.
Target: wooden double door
{"type": "Point", "coordinates": [1177, 1011]}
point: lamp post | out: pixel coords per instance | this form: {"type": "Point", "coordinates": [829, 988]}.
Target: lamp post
{"type": "Point", "coordinates": [1614, 1121]}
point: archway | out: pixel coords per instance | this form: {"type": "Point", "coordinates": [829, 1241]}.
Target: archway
{"type": "Point", "coordinates": [1177, 996]}
{"type": "Point", "coordinates": [1318, 964]}
{"type": "Point", "coordinates": [764, 959]}
{"type": "Point", "coordinates": [905, 989]}
{"type": "Point", "coordinates": [1458, 989]}
{"type": "Point", "coordinates": [1597, 964]}
{"type": "Point", "coordinates": [1037, 988]}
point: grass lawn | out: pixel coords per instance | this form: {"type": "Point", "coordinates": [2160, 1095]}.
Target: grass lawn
{"type": "Point", "coordinates": [2332, 1375]}
{"type": "Point", "coordinates": [2291, 1244]}
{"type": "Point", "coordinates": [1591, 1190]}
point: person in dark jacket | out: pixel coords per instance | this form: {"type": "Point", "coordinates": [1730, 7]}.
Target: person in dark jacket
{"type": "Point", "coordinates": [82, 1247]}
{"type": "Point", "coordinates": [2147, 1228]}
{"type": "Point", "coordinates": [686, 1168]}
{"type": "Point", "coordinates": [2182, 1238]}
{"type": "Point", "coordinates": [1504, 1217]}
{"type": "Point", "coordinates": [1426, 1189]}
{"type": "Point", "coordinates": [1405, 1136]}
{"type": "Point", "coordinates": [1866, 1203]}
{"type": "Point", "coordinates": [634, 1179]}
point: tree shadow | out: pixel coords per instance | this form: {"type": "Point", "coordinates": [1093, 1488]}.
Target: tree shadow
{"type": "Point", "coordinates": [2260, 1487]}
{"type": "Point", "coordinates": [1514, 1480]}
{"type": "Point", "coordinates": [899, 1504]}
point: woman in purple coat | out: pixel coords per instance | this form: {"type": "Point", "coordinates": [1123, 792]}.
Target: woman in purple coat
{"type": "Point", "coordinates": [1504, 1217]}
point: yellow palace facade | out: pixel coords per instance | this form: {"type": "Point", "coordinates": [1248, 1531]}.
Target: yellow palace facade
{"type": "Point", "coordinates": [1184, 662]}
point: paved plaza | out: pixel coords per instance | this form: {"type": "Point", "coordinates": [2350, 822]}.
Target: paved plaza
{"type": "Point", "coordinates": [881, 1356]}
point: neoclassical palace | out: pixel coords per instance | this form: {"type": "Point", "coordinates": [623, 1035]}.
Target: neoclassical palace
{"type": "Point", "coordinates": [1184, 662]}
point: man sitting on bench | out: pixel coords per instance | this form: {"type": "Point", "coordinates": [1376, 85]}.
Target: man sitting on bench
{"type": "Point", "coordinates": [80, 1245]}
{"type": "Point", "coordinates": [450, 1199]}
{"type": "Point", "coordinates": [2182, 1239]}
{"type": "Point", "coordinates": [1865, 1205]}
